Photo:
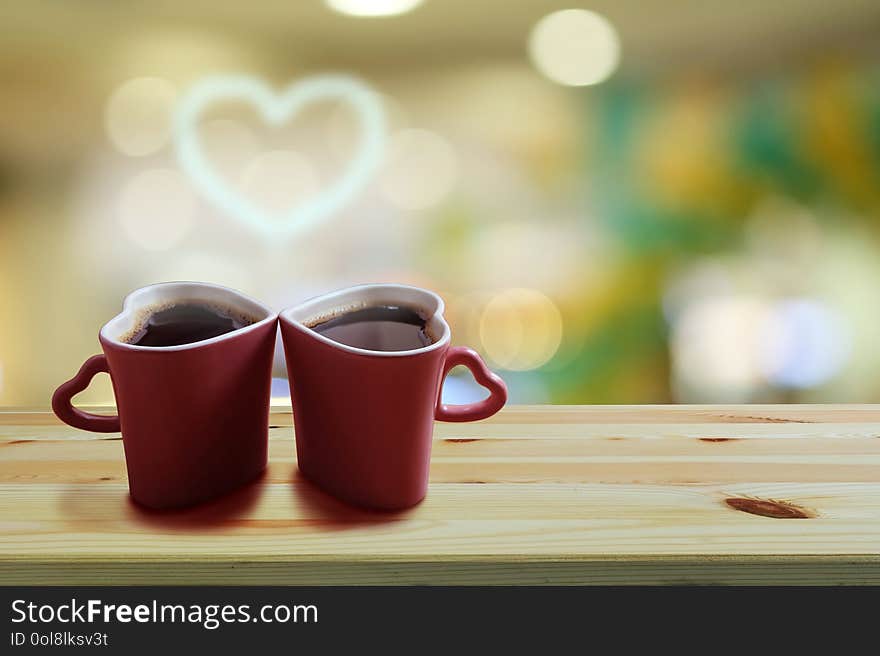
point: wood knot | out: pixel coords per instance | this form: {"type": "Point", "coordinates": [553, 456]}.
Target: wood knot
{"type": "Point", "coordinates": [718, 439]}
{"type": "Point", "coordinates": [773, 508]}
{"type": "Point", "coordinates": [461, 440]}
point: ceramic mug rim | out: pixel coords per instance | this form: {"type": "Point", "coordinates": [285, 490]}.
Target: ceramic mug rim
{"type": "Point", "coordinates": [183, 291]}
{"type": "Point", "coordinates": [377, 293]}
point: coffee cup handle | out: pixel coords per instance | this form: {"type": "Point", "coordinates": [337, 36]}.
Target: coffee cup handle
{"type": "Point", "coordinates": [64, 410]}
{"type": "Point", "coordinates": [472, 411]}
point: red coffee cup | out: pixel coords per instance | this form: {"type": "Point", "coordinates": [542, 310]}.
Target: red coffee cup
{"type": "Point", "coordinates": [194, 418]}
{"type": "Point", "coordinates": [364, 419]}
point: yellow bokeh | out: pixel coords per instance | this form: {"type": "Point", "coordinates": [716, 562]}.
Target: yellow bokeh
{"type": "Point", "coordinates": [520, 329]}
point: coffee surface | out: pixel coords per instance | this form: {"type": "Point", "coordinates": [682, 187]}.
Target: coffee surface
{"type": "Point", "coordinates": [185, 323]}
{"type": "Point", "coordinates": [377, 328]}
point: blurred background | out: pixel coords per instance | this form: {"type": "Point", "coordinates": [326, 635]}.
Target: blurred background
{"type": "Point", "coordinates": [622, 202]}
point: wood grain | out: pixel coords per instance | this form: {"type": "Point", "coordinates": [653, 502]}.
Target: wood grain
{"type": "Point", "coordinates": [564, 494]}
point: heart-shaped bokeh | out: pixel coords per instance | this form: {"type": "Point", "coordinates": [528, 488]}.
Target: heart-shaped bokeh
{"type": "Point", "coordinates": [276, 108]}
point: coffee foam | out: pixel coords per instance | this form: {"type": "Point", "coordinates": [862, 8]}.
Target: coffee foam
{"type": "Point", "coordinates": [318, 319]}
{"type": "Point", "coordinates": [142, 318]}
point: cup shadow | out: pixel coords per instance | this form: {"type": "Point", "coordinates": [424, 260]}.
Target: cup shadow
{"type": "Point", "coordinates": [314, 507]}
{"type": "Point", "coordinates": [217, 513]}
{"type": "Point", "coordinates": [334, 514]}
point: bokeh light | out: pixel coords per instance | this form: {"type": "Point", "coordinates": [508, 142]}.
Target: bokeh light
{"type": "Point", "coordinates": [520, 329]}
{"type": "Point", "coordinates": [138, 115]}
{"type": "Point", "coordinates": [157, 209]}
{"type": "Point", "coordinates": [805, 343]}
{"type": "Point", "coordinates": [716, 343]}
{"type": "Point", "coordinates": [279, 180]}
{"type": "Point", "coordinates": [574, 47]}
{"type": "Point", "coordinates": [421, 169]}
{"type": "Point", "coordinates": [368, 8]}
{"type": "Point", "coordinates": [732, 347]}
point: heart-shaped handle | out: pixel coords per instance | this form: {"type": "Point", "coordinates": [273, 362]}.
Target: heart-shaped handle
{"type": "Point", "coordinates": [481, 409]}
{"type": "Point", "coordinates": [63, 408]}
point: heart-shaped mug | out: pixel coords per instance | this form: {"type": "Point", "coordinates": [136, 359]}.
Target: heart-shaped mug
{"type": "Point", "coordinates": [276, 109]}
{"type": "Point", "coordinates": [365, 418]}
{"type": "Point", "coordinates": [194, 416]}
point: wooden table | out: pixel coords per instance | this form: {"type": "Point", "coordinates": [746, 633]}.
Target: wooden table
{"type": "Point", "coordinates": [588, 494]}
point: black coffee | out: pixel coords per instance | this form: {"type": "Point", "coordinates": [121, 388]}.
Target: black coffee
{"type": "Point", "coordinates": [185, 323]}
{"type": "Point", "coordinates": [377, 328]}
